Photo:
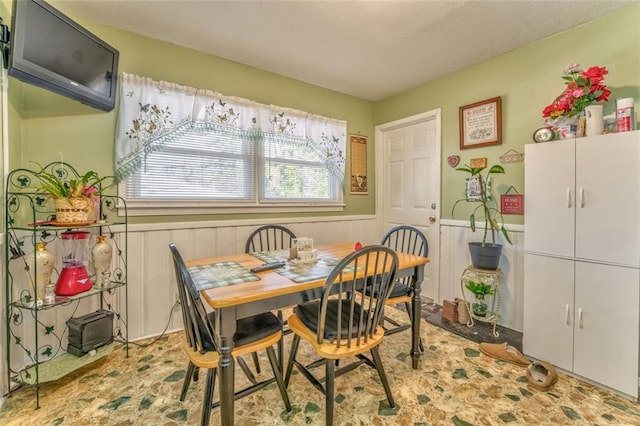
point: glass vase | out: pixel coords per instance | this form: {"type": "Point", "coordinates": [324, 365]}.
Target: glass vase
{"type": "Point", "coordinates": [102, 253]}
{"type": "Point", "coordinates": [479, 307]}
{"type": "Point", "coordinates": [40, 264]}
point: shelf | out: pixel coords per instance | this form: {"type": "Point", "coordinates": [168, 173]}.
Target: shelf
{"type": "Point", "coordinates": [490, 317]}
{"type": "Point", "coordinates": [62, 300]}
{"type": "Point", "coordinates": [28, 221]}
{"type": "Point", "coordinates": [489, 277]}
{"type": "Point", "coordinates": [61, 366]}
{"type": "Point", "coordinates": [48, 227]}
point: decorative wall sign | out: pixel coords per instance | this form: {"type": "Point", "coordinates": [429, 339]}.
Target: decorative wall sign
{"type": "Point", "coordinates": [358, 147]}
{"type": "Point", "coordinates": [453, 160]}
{"type": "Point", "coordinates": [472, 192]}
{"type": "Point", "coordinates": [512, 203]}
{"type": "Point", "coordinates": [512, 156]}
{"type": "Point", "coordinates": [481, 123]}
{"type": "Point", "coordinates": [478, 163]}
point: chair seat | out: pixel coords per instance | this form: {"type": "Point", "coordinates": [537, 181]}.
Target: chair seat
{"type": "Point", "coordinates": [248, 330]}
{"type": "Point", "coordinates": [328, 349]}
{"type": "Point", "coordinates": [400, 290]}
{"type": "Point", "coordinates": [210, 359]}
{"type": "Point", "coordinates": [253, 328]}
{"type": "Point", "coordinates": [308, 314]}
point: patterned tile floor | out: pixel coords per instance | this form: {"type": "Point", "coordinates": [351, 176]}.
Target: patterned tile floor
{"type": "Point", "coordinates": [454, 385]}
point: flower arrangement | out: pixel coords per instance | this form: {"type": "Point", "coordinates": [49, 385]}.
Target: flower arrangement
{"type": "Point", "coordinates": [584, 88]}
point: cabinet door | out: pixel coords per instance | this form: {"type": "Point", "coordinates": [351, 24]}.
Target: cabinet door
{"type": "Point", "coordinates": [549, 180]}
{"type": "Point", "coordinates": [607, 325]}
{"type": "Point", "coordinates": [548, 309]}
{"type": "Point", "coordinates": [608, 198]}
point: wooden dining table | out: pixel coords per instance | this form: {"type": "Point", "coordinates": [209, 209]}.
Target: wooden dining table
{"type": "Point", "coordinates": [232, 298]}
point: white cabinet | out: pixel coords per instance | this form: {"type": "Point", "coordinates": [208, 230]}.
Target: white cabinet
{"type": "Point", "coordinates": [583, 198]}
{"type": "Point", "coordinates": [582, 257]}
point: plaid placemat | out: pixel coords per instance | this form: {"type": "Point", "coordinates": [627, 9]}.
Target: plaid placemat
{"type": "Point", "coordinates": [271, 256]}
{"type": "Point", "coordinates": [299, 272]}
{"type": "Point", "coordinates": [220, 274]}
{"type": "Point", "coordinates": [304, 272]}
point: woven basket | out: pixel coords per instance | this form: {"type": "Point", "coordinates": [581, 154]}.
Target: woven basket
{"type": "Point", "coordinates": [74, 210]}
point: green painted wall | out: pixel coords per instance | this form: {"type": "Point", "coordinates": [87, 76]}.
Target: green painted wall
{"type": "Point", "coordinates": [527, 79]}
{"type": "Point", "coordinates": [53, 126]}
{"type": "Point", "coordinates": [44, 126]}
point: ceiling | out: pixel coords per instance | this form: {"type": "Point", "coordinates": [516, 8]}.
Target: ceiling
{"type": "Point", "coordinates": [369, 49]}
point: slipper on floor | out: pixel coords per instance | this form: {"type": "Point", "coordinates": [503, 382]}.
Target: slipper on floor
{"type": "Point", "coordinates": [542, 375]}
{"type": "Point", "coordinates": [504, 352]}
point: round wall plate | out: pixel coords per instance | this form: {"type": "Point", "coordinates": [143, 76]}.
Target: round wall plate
{"type": "Point", "coordinates": [543, 134]}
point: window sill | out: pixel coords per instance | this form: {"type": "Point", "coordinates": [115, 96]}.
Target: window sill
{"type": "Point", "coordinates": [178, 208]}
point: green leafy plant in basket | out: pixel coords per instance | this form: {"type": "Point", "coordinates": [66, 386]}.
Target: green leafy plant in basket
{"type": "Point", "coordinates": [87, 185]}
{"type": "Point", "coordinates": [74, 194]}
{"type": "Point", "coordinates": [480, 290]}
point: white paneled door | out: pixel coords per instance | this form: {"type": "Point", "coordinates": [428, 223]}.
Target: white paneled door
{"type": "Point", "coordinates": [408, 188]}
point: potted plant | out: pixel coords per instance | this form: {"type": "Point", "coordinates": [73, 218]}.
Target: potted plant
{"type": "Point", "coordinates": [74, 195]}
{"type": "Point", "coordinates": [484, 255]}
{"type": "Point", "coordinates": [479, 290]}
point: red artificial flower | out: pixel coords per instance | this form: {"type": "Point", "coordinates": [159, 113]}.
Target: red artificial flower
{"type": "Point", "coordinates": [583, 88]}
{"type": "Point", "coordinates": [595, 74]}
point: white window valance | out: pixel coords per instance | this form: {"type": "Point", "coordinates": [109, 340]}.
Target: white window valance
{"type": "Point", "coordinates": [151, 112]}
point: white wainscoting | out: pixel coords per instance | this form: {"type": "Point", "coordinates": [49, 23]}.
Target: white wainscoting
{"type": "Point", "coordinates": [454, 258]}
{"type": "Point", "coordinates": [152, 288]}
{"type": "Point", "coordinates": [152, 291]}
{"type": "Point", "coordinates": [151, 279]}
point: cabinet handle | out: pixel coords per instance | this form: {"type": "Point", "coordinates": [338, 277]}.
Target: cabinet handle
{"type": "Point", "coordinates": [566, 314]}
{"type": "Point", "coordinates": [581, 198]}
{"type": "Point", "coordinates": [580, 317]}
{"type": "Point", "coordinates": [568, 198]}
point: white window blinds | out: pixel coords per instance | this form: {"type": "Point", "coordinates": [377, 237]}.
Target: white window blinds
{"type": "Point", "coordinates": [178, 144]}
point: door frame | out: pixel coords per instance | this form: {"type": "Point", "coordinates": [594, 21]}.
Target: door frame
{"type": "Point", "coordinates": [432, 115]}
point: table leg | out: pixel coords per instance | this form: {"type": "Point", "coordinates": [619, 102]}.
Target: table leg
{"type": "Point", "coordinates": [416, 307]}
{"type": "Point", "coordinates": [226, 330]}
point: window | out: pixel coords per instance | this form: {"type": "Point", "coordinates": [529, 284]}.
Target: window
{"type": "Point", "coordinates": [294, 171]}
{"type": "Point", "coordinates": [186, 151]}
{"type": "Point", "coordinates": [197, 166]}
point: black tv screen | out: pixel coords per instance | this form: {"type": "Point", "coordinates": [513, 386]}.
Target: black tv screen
{"type": "Point", "coordinates": [50, 50]}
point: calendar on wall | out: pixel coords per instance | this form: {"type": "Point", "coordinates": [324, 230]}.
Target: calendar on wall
{"type": "Point", "coordinates": [358, 147]}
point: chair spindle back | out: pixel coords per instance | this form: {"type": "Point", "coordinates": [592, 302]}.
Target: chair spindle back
{"type": "Point", "coordinates": [406, 239]}
{"type": "Point", "coordinates": [357, 316]}
{"type": "Point", "coordinates": [269, 237]}
{"type": "Point", "coordinates": [197, 326]}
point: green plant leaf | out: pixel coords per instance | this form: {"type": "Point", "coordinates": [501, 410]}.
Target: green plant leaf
{"type": "Point", "coordinates": [465, 169]}
{"type": "Point", "coordinates": [505, 234]}
{"type": "Point", "coordinates": [496, 168]}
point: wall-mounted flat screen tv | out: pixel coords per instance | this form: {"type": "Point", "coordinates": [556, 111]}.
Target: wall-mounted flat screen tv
{"type": "Point", "coordinates": [50, 50]}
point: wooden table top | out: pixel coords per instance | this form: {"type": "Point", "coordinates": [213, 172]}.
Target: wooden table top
{"type": "Point", "coordinates": [272, 284]}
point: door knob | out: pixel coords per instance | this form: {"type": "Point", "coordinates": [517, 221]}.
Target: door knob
{"type": "Point", "coordinates": [432, 219]}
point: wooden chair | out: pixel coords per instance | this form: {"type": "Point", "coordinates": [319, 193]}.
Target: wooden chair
{"type": "Point", "coordinates": [269, 238]}
{"type": "Point", "coordinates": [346, 323]}
{"type": "Point", "coordinates": [259, 332]}
{"type": "Point", "coordinates": [404, 239]}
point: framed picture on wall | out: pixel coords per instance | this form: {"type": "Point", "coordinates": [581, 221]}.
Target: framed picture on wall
{"type": "Point", "coordinates": [481, 123]}
{"type": "Point", "coordinates": [358, 148]}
